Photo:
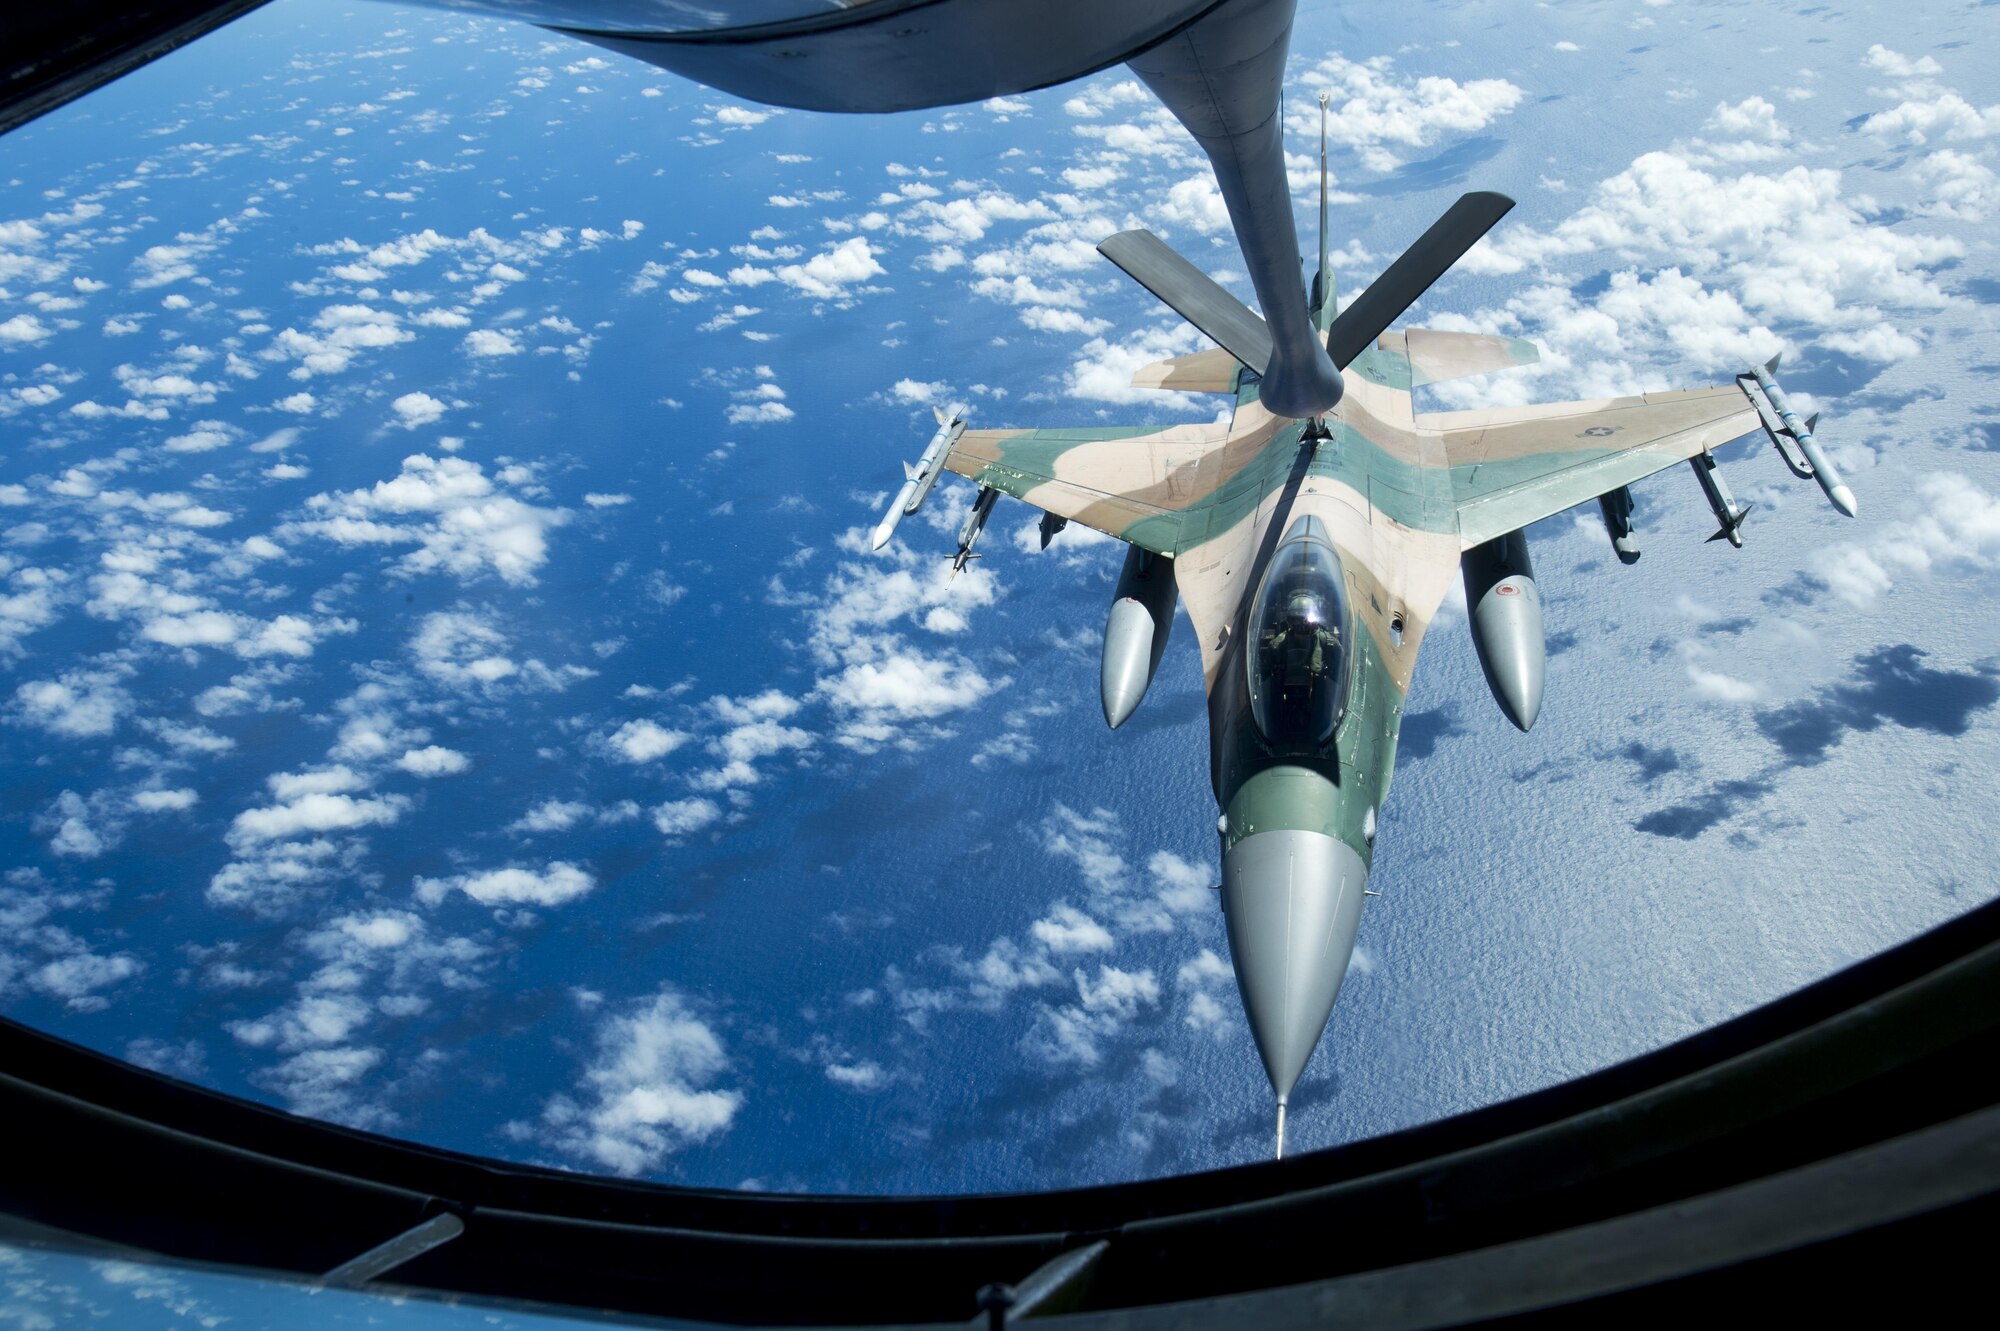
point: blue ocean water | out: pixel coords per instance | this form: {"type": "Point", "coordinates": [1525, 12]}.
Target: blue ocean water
{"type": "Point", "coordinates": [670, 833]}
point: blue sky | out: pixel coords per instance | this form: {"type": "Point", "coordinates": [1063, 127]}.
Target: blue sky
{"type": "Point", "coordinates": [449, 690]}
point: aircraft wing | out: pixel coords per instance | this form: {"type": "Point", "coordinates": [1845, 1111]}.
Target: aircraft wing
{"type": "Point", "coordinates": [1511, 466]}
{"type": "Point", "coordinates": [1129, 482]}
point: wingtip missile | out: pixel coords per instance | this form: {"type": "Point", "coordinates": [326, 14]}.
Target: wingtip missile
{"type": "Point", "coordinates": [1774, 403]}
{"type": "Point", "coordinates": [921, 476]}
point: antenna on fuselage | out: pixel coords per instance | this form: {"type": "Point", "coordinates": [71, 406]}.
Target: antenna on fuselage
{"type": "Point", "coordinates": [1323, 284]}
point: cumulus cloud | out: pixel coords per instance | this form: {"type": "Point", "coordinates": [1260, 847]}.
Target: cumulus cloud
{"type": "Point", "coordinates": [649, 1091]}
{"type": "Point", "coordinates": [460, 520]}
{"type": "Point", "coordinates": [551, 815]}
{"type": "Point", "coordinates": [556, 883]}
{"type": "Point", "coordinates": [415, 409]}
{"type": "Point", "coordinates": [1074, 1033]}
{"type": "Point", "coordinates": [1954, 526]}
{"type": "Point", "coordinates": [78, 704]}
{"type": "Point", "coordinates": [434, 760]}
{"type": "Point", "coordinates": [311, 803]}
{"type": "Point", "coordinates": [1067, 929]}
{"type": "Point", "coordinates": [682, 817]}
{"type": "Point", "coordinates": [642, 741]}
{"type": "Point", "coordinates": [490, 342]}
{"type": "Point", "coordinates": [830, 274]}
{"type": "Point", "coordinates": [76, 980]}
{"type": "Point", "coordinates": [24, 329]}
{"type": "Point", "coordinates": [1374, 109]}
{"type": "Point", "coordinates": [336, 336]}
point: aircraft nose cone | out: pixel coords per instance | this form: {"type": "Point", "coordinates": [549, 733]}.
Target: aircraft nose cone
{"type": "Point", "coordinates": [1292, 902]}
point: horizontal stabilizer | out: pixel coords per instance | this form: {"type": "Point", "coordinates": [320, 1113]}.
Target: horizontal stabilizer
{"type": "Point", "coordinates": [1439, 356]}
{"type": "Point", "coordinates": [1192, 294]}
{"type": "Point", "coordinates": [1210, 371]}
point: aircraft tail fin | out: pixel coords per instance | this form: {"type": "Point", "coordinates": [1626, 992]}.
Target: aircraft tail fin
{"type": "Point", "coordinates": [1192, 294]}
{"type": "Point", "coordinates": [1324, 302]}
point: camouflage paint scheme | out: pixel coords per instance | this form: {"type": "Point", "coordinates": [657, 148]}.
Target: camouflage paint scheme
{"type": "Point", "coordinates": [1401, 495]}
{"type": "Point", "coordinates": [1400, 498]}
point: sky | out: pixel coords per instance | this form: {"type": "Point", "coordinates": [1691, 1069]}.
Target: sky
{"type": "Point", "coordinates": [449, 691]}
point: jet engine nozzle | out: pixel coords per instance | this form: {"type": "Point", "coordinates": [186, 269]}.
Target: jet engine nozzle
{"type": "Point", "coordinates": [1292, 902]}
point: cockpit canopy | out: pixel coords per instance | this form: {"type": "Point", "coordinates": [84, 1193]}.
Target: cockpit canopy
{"type": "Point", "coordinates": [1297, 655]}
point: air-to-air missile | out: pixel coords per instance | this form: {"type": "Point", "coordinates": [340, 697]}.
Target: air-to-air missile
{"type": "Point", "coordinates": [1505, 608]}
{"type": "Point", "coordinates": [1780, 422]}
{"type": "Point", "coordinates": [924, 474]}
{"type": "Point", "coordinates": [1142, 615]}
{"type": "Point", "coordinates": [1729, 514]}
{"type": "Point", "coordinates": [975, 523]}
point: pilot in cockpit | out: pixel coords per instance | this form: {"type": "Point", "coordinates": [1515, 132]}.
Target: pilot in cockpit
{"type": "Point", "coordinates": [1307, 638]}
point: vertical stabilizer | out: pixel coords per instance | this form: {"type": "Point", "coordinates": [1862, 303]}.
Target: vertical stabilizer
{"type": "Point", "coordinates": [1222, 77]}
{"type": "Point", "coordinates": [1324, 303]}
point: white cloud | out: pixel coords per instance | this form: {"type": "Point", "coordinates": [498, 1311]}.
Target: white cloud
{"type": "Point", "coordinates": [434, 760]}
{"type": "Point", "coordinates": [642, 741]}
{"type": "Point", "coordinates": [451, 510]}
{"type": "Point", "coordinates": [557, 883]}
{"type": "Point", "coordinates": [1074, 1034]}
{"type": "Point", "coordinates": [79, 704]}
{"type": "Point", "coordinates": [23, 329]}
{"type": "Point", "coordinates": [339, 333]}
{"type": "Point", "coordinates": [487, 342]}
{"type": "Point", "coordinates": [161, 264]}
{"type": "Point", "coordinates": [76, 980]}
{"type": "Point", "coordinates": [829, 274]}
{"type": "Point", "coordinates": [1954, 525]}
{"type": "Point", "coordinates": [682, 817]}
{"type": "Point", "coordinates": [1373, 107]}
{"type": "Point", "coordinates": [1196, 203]}
{"type": "Point", "coordinates": [415, 409]}
{"type": "Point", "coordinates": [204, 437]}
{"type": "Point", "coordinates": [1067, 929]}
{"type": "Point", "coordinates": [551, 815]}
{"type": "Point", "coordinates": [647, 1090]}
{"type": "Point", "coordinates": [311, 813]}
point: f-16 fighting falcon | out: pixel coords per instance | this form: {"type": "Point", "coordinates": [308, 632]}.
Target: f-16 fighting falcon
{"type": "Point", "coordinates": [1312, 553]}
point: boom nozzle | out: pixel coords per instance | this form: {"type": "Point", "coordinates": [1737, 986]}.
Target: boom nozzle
{"type": "Point", "coordinates": [1281, 1129]}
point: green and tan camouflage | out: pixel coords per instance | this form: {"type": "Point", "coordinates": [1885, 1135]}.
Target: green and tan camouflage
{"type": "Point", "coordinates": [1312, 556]}
{"type": "Point", "coordinates": [1400, 496]}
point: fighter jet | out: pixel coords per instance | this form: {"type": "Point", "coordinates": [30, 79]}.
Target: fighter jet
{"type": "Point", "coordinates": [1312, 551]}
